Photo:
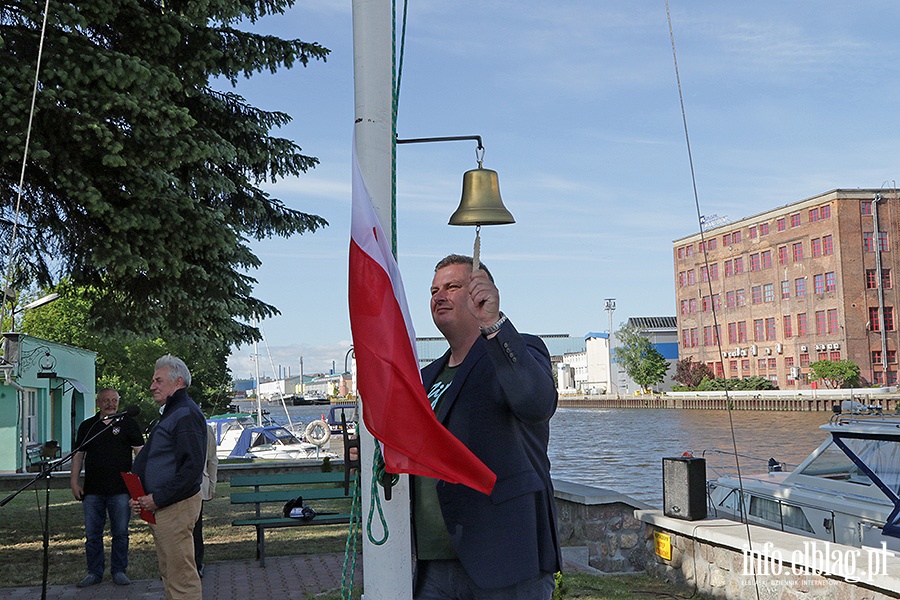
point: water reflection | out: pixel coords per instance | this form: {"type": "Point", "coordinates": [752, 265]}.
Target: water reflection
{"type": "Point", "coordinates": [622, 449]}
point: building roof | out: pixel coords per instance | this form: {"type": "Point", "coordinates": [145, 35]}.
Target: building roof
{"type": "Point", "coordinates": [648, 323]}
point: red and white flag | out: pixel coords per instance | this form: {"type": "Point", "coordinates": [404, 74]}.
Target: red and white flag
{"type": "Point", "coordinates": [395, 408]}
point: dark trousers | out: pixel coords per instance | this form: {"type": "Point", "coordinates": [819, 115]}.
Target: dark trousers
{"type": "Point", "coordinates": [198, 541]}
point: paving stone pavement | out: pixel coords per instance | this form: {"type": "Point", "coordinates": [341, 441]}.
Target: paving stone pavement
{"type": "Point", "coordinates": [284, 577]}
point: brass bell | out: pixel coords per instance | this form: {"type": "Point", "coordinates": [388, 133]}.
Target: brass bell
{"type": "Point", "coordinates": [480, 203]}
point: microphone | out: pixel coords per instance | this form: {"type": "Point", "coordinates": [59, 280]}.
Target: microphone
{"type": "Point", "coordinates": [131, 411]}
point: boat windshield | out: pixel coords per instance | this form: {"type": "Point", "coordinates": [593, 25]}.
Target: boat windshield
{"type": "Point", "coordinates": [881, 456]}
{"type": "Point", "coordinates": [832, 463]}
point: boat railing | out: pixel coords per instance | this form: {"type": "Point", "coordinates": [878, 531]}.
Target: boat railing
{"type": "Point", "coordinates": [878, 420]}
{"type": "Point", "coordinates": [744, 509]}
{"type": "Point", "coordinates": [721, 468]}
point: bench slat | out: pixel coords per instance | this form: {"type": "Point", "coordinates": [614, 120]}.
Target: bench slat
{"type": "Point", "coordinates": [287, 479]}
{"type": "Point", "coordinates": [287, 522]}
{"type": "Point", "coordinates": [285, 495]}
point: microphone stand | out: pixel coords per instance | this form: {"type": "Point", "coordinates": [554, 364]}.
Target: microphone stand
{"type": "Point", "coordinates": [47, 467]}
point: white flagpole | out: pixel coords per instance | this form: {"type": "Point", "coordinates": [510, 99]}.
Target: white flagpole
{"type": "Point", "coordinates": [387, 568]}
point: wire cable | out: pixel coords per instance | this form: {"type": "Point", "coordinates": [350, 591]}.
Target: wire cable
{"type": "Point", "coordinates": [717, 337]}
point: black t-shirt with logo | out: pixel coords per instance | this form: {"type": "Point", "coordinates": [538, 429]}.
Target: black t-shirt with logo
{"type": "Point", "coordinates": [108, 454]}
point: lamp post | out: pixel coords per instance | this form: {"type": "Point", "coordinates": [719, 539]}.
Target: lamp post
{"type": "Point", "coordinates": [610, 307]}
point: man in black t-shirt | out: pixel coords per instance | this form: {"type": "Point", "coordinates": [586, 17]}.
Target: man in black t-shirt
{"type": "Point", "coordinates": [107, 451]}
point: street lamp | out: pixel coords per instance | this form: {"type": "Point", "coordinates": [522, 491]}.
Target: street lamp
{"type": "Point", "coordinates": [610, 307]}
{"type": "Point", "coordinates": [37, 303]}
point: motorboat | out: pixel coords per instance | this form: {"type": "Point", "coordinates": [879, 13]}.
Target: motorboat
{"type": "Point", "coordinates": [845, 492]}
{"type": "Point", "coordinates": [275, 442]}
{"type": "Point", "coordinates": [239, 435]}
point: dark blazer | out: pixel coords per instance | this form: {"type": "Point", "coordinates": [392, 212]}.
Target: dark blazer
{"type": "Point", "coordinates": [499, 405]}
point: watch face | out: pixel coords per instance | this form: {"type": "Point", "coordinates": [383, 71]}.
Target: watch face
{"type": "Point", "coordinates": [47, 362]}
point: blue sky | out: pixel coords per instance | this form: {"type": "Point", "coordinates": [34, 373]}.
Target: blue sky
{"type": "Point", "coordinates": [578, 107]}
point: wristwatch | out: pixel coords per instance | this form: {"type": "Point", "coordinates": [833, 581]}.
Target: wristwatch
{"type": "Point", "coordinates": [486, 331]}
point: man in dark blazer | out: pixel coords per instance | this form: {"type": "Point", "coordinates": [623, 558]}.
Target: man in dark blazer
{"type": "Point", "coordinates": [494, 391]}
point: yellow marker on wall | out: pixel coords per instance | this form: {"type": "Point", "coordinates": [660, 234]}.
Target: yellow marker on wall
{"type": "Point", "coordinates": [663, 545]}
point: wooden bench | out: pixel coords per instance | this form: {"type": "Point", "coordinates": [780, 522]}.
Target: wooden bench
{"type": "Point", "coordinates": [270, 493]}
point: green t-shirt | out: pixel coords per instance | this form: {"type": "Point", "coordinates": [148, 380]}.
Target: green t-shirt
{"type": "Point", "coordinates": [432, 539]}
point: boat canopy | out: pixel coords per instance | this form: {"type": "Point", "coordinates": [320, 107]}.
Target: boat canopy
{"type": "Point", "coordinates": [878, 456]}
{"type": "Point", "coordinates": [260, 436]}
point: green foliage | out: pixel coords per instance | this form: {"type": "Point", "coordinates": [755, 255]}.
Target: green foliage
{"type": "Point", "coordinates": [125, 361]}
{"type": "Point", "coordinates": [142, 183]}
{"type": "Point", "coordinates": [689, 373]}
{"type": "Point", "coordinates": [643, 363]}
{"type": "Point", "coordinates": [751, 383]}
{"type": "Point", "coordinates": [837, 374]}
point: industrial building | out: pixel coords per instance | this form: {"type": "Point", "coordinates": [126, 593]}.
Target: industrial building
{"type": "Point", "coordinates": [770, 294]}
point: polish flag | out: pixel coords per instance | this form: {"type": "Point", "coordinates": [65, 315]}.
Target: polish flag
{"type": "Point", "coordinates": [395, 408]}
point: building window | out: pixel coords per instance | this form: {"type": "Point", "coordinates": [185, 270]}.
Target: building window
{"type": "Point", "coordinates": [754, 262]}
{"type": "Point", "coordinates": [736, 237]}
{"type": "Point", "coordinates": [780, 224]}
{"type": "Point", "coordinates": [756, 294]}
{"type": "Point", "coordinates": [871, 279]}
{"type": "Point", "coordinates": [787, 326]}
{"type": "Point", "coordinates": [876, 357]}
{"type": "Point", "coordinates": [804, 360]}
{"type": "Point", "coordinates": [738, 265]}
{"type": "Point", "coordinates": [785, 290]}
{"type": "Point", "coordinates": [788, 361]}
{"type": "Point", "coordinates": [770, 329]}
{"type": "Point", "coordinates": [717, 302]}
{"type": "Point", "coordinates": [801, 324]}
{"type": "Point", "coordinates": [740, 297]}
{"type": "Point", "coordinates": [874, 322]}
{"type": "Point", "coordinates": [691, 278]}
{"type": "Point", "coordinates": [892, 356]}
{"type": "Point", "coordinates": [711, 244]}
{"type": "Point", "coordinates": [830, 281]}
{"type": "Point", "coordinates": [821, 328]}
{"type": "Point", "coordinates": [886, 279]}
{"type": "Point", "coordinates": [689, 250]}
{"type": "Point", "coordinates": [769, 292]}
{"type": "Point", "coordinates": [761, 364]}
{"type": "Point", "coordinates": [819, 283]}
{"type": "Point", "coordinates": [825, 211]}
{"type": "Point", "coordinates": [883, 244]}
{"type": "Point", "coordinates": [832, 320]}
{"type": "Point", "coordinates": [704, 274]}
{"type": "Point", "coordinates": [714, 271]}
{"type": "Point", "coordinates": [732, 333]}
{"type": "Point", "coordinates": [708, 336]}
{"type": "Point", "coordinates": [813, 215]}
{"type": "Point", "coordinates": [705, 304]}
{"type": "Point", "coordinates": [729, 268]}
{"type": "Point", "coordinates": [694, 338]}
{"type": "Point", "coordinates": [795, 220]}
{"type": "Point", "coordinates": [684, 307]}
{"type": "Point", "coordinates": [815, 247]}
{"type": "Point", "coordinates": [742, 332]}
{"type": "Point", "coordinates": [681, 252]}
{"type": "Point", "coordinates": [869, 241]}
{"type": "Point", "coordinates": [821, 356]}
{"type": "Point", "coordinates": [827, 245]}
{"type": "Point", "coordinates": [766, 258]}
{"type": "Point", "coordinates": [800, 287]}
{"type": "Point", "coordinates": [752, 232]}
{"type": "Point", "coordinates": [797, 250]}
{"type": "Point", "coordinates": [763, 229]}
{"type": "Point", "coordinates": [782, 255]}
{"type": "Point", "coordinates": [693, 305]}
{"type": "Point", "coordinates": [773, 364]}
{"type": "Point", "coordinates": [745, 364]}
{"type": "Point", "coordinates": [726, 239]}
{"type": "Point", "coordinates": [865, 207]}
{"type": "Point", "coordinates": [729, 299]}
{"type": "Point", "coordinates": [759, 332]}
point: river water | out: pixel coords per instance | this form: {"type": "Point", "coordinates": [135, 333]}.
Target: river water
{"type": "Point", "coordinates": [622, 449]}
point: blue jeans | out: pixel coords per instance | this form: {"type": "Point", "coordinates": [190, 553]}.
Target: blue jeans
{"type": "Point", "coordinates": [95, 511]}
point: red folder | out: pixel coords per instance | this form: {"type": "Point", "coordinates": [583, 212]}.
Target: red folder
{"type": "Point", "coordinates": [133, 482]}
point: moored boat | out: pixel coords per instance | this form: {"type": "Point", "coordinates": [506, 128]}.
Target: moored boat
{"type": "Point", "coordinates": [846, 491]}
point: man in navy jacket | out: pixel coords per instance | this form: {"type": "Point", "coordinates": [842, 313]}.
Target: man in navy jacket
{"type": "Point", "coordinates": [171, 468]}
{"type": "Point", "coordinates": [494, 391]}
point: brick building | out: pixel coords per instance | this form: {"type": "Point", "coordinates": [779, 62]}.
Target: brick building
{"type": "Point", "coordinates": [792, 286]}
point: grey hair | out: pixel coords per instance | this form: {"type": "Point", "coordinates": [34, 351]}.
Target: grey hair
{"type": "Point", "coordinates": [107, 389]}
{"type": "Point", "coordinates": [461, 259]}
{"type": "Point", "coordinates": [176, 367]}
